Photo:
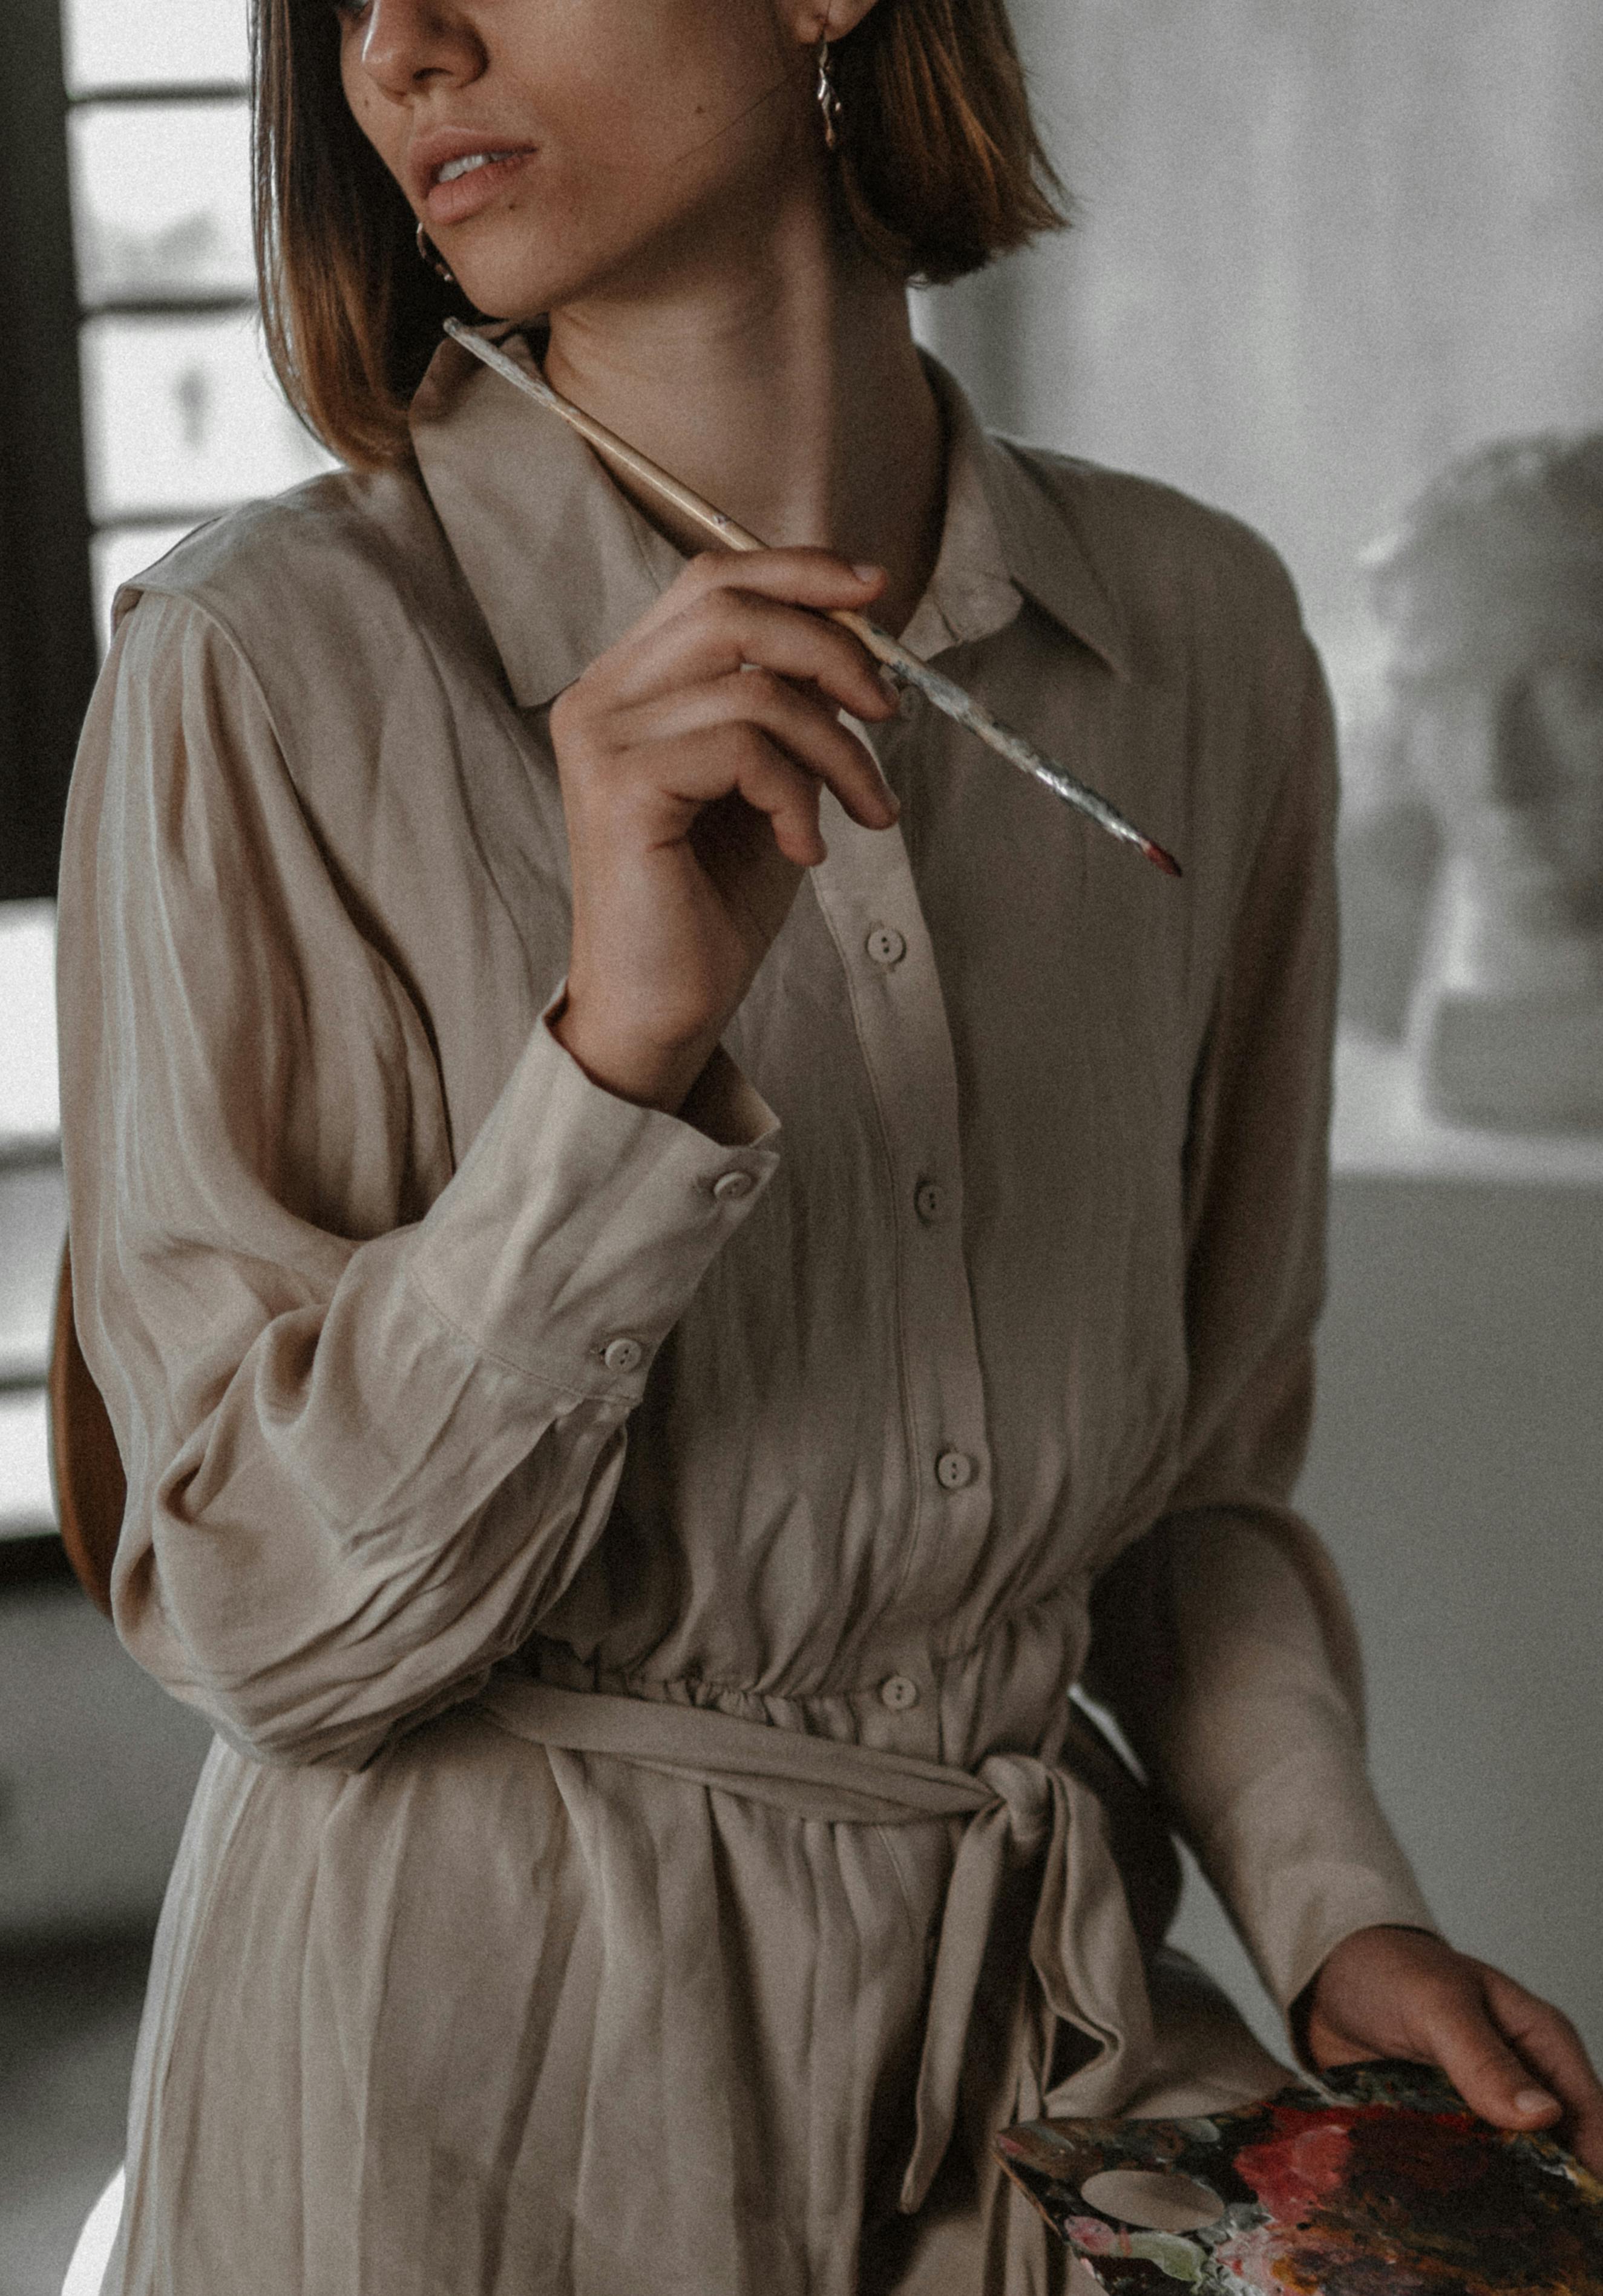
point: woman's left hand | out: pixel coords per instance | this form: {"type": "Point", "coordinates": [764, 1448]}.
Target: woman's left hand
{"type": "Point", "coordinates": [1513, 2057]}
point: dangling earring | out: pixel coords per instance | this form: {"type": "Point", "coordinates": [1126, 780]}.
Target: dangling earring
{"type": "Point", "coordinates": [828, 101]}
{"type": "Point", "coordinates": [427, 252]}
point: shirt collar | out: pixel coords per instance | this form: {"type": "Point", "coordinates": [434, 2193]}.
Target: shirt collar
{"type": "Point", "coordinates": [562, 564]}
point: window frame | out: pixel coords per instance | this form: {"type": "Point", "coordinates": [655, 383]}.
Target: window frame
{"type": "Point", "coordinates": [48, 652]}
{"type": "Point", "coordinates": [49, 645]}
{"type": "Point", "coordinates": [50, 648]}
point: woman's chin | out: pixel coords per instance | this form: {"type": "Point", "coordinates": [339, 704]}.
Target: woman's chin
{"type": "Point", "coordinates": [520, 289]}
{"type": "Point", "coordinates": [501, 293]}
{"type": "Point", "coordinates": [506, 272]}
{"type": "Point", "coordinates": [499, 312]}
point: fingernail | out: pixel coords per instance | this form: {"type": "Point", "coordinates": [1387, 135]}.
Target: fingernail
{"type": "Point", "coordinates": [867, 573]}
{"type": "Point", "coordinates": [1534, 2100]}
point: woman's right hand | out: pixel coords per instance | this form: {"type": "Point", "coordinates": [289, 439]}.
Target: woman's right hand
{"type": "Point", "coordinates": [691, 757]}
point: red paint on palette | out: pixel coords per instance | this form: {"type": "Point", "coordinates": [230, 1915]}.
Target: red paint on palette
{"type": "Point", "coordinates": [1377, 2182]}
{"type": "Point", "coordinates": [1304, 2161]}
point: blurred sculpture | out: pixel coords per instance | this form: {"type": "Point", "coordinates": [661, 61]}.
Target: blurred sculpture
{"type": "Point", "coordinates": [1472, 879]}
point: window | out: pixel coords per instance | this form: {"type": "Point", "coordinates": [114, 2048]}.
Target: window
{"type": "Point", "coordinates": [181, 414]}
{"type": "Point", "coordinates": [32, 1210]}
{"type": "Point", "coordinates": [141, 402]}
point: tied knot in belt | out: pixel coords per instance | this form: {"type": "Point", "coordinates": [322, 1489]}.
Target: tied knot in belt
{"type": "Point", "coordinates": [1084, 1967]}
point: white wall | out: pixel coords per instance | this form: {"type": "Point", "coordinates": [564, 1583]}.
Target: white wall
{"type": "Point", "coordinates": [1321, 247]}
{"type": "Point", "coordinates": [1456, 1471]}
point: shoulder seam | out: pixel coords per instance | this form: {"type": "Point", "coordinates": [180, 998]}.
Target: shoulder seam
{"type": "Point", "coordinates": [207, 613]}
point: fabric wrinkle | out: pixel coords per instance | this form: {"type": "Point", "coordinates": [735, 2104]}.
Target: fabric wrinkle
{"type": "Point", "coordinates": [1084, 1954]}
{"type": "Point", "coordinates": [802, 1871]}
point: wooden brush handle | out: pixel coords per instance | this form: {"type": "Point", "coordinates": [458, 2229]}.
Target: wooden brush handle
{"type": "Point", "coordinates": [909, 667]}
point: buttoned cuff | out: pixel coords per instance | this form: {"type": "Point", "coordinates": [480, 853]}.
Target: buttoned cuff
{"type": "Point", "coordinates": [574, 1233]}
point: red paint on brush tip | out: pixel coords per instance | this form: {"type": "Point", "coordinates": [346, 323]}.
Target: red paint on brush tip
{"type": "Point", "coordinates": [1166, 862]}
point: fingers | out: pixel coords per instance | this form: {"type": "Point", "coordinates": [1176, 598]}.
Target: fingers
{"type": "Point", "coordinates": [798, 576]}
{"type": "Point", "coordinates": [727, 644]}
{"type": "Point", "coordinates": [1490, 2077]}
{"type": "Point", "coordinates": [704, 764]}
{"type": "Point", "coordinates": [732, 630]}
{"type": "Point", "coordinates": [727, 609]}
{"type": "Point", "coordinates": [1548, 2043]}
{"type": "Point", "coordinates": [1515, 2060]}
{"type": "Point", "coordinates": [792, 721]}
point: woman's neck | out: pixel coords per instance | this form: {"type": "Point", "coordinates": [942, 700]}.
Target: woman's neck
{"type": "Point", "coordinates": [784, 385]}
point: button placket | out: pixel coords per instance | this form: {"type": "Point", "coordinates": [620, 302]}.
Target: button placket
{"type": "Point", "coordinates": [902, 1032]}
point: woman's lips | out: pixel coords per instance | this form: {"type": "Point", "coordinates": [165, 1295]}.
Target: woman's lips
{"type": "Point", "coordinates": [466, 195]}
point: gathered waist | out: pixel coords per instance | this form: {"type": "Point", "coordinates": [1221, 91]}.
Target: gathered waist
{"type": "Point", "coordinates": [837, 1781]}
{"type": "Point", "coordinates": [1108, 1875]}
{"type": "Point", "coordinates": [943, 1701]}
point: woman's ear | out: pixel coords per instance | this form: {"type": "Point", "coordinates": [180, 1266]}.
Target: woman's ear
{"type": "Point", "coordinates": [808, 22]}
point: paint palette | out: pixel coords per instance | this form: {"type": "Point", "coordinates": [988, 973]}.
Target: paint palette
{"type": "Point", "coordinates": [1378, 2181]}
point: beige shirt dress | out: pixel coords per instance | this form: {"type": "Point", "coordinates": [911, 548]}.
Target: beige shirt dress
{"type": "Point", "coordinates": [636, 1567]}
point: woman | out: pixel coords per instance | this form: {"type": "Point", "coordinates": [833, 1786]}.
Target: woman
{"type": "Point", "coordinates": [647, 1267]}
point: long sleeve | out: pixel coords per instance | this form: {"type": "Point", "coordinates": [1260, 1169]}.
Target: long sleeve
{"type": "Point", "coordinates": [1223, 1640]}
{"type": "Point", "coordinates": [372, 1409]}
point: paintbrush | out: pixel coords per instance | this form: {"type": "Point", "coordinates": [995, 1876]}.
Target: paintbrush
{"type": "Point", "coordinates": [905, 667]}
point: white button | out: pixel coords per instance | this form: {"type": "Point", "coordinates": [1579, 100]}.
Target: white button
{"type": "Point", "coordinates": [886, 946]}
{"type": "Point", "coordinates": [731, 1186]}
{"type": "Point", "coordinates": [954, 1470]}
{"type": "Point", "coordinates": [897, 1693]}
{"type": "Point", "coordinates": [930, 1201]}
{"type": "Point", "coordinates": [622, 1354]}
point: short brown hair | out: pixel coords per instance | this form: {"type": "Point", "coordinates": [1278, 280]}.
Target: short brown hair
{"type": "Point", "coordinates": [940, 169]}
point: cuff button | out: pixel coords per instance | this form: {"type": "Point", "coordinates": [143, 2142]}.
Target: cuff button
{"type": "Point", "coordinates": [622, 1354]}
{"type": "Point", "coordinates": [733, 1187]}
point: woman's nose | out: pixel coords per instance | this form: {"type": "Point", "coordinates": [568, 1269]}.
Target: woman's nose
{"type": "Point", "coordinates": [407, 43]}
{"type": "Point", "coordinates": [1483, 753]}
{"type": "Point", "coordinates": [1512, 770]}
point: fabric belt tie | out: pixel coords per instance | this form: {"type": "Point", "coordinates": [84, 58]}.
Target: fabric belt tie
{"type": "Point", "coordinates": [1084, 1950]}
